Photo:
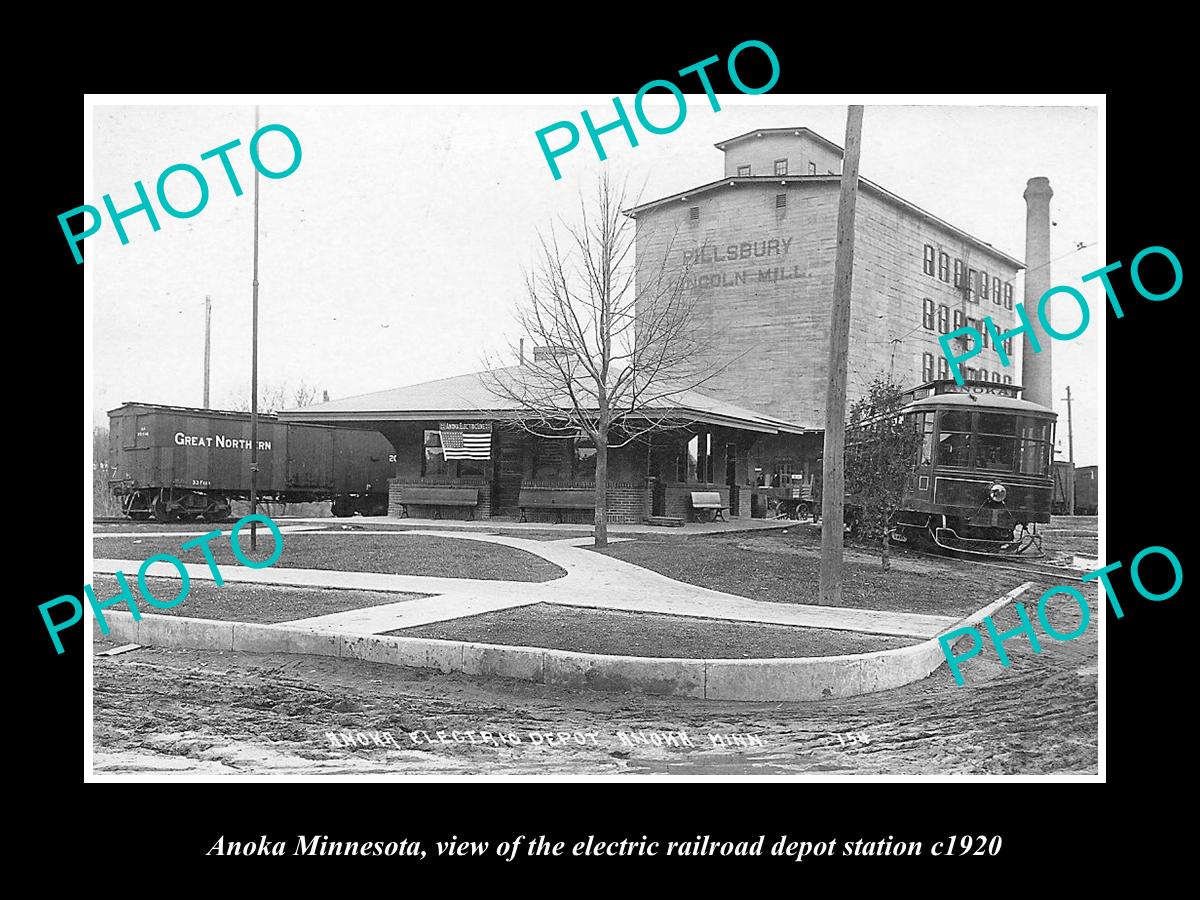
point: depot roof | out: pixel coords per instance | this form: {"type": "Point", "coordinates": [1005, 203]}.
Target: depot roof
{"type": "Point", "coordinates": [469, 397]}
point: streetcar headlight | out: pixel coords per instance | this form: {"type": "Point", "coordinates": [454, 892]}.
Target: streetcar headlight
{"type": "Point", "coordinates": [998, 493]}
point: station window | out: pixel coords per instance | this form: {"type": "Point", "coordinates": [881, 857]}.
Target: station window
{"type": "Point", "coordinates": [954, 437]}
{"type": "Point", "coordinates": [958, 319]}
{"type": "Point", "coordinates": [972, 285]}
{"type": "Point", "coordinates": [943, 318]}
{"type": "Point", "coordinates": [958, 272]}
{"type": "Point", "coordinates": [996, 289]}
{"type": "Point", "coordinates": [943, 368]}
{"type": "Point", "coordinates": [781, 167]}
{"type": "Point", "coordinates": [943, 266]}
{"type": "Point", "coordinates": [995, 377]}
{"type": "Point", "coordinates": [1008, 347]}
{"type": "Point", "coordinates": [984, 284]}
{"type": "Point", "coordinates": [583, 459]}
{"type": "Point", "coordinates": [696, 462]}
{"type": "Point", "coordinates": [1008, 303]}
{"type": "Point", "coordinates": [694, 213]}
{"type": "Point", "coordinates": [780, 201]}
{"type": "Point", "coordinates": [433, 461]}
{"type": "Point", "coordinates": [743, 171]}
{"type": "Point", "coordinates": [1008, 379]}
{"type": "Point", "coordinates": [927, 314]}
{"type": "Point", "coordinates": [972, 374]}
{"type": "Point", "coordinates": [927, 367]}
{"type": "Point", "coordinates": [983, 374]}
{"type": "Point", "coordinates": [812, 168]}
{"type": "Point", "coordinates": [928, 259]}
{"type": "Point", "coordinates": [983, 330]}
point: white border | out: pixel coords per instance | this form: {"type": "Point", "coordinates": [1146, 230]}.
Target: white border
{"type": "Point", "coordinates": [92, 100]}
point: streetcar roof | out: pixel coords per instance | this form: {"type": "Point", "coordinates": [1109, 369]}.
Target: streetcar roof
{"type": "Point", "coordinates": [990, 401]}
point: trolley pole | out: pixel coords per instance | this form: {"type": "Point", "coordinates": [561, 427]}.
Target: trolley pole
{"type": "Point", "coordinates": [207, 343]}
{"type": "Point", "coordinates": [833, 490]}
{"type": "Point", "coordinates": [254, 371]}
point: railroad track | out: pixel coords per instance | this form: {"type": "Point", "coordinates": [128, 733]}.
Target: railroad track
{"type": "Point", "coordinates": [1033, 567]}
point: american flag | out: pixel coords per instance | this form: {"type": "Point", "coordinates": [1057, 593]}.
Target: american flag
{"type": "Point", "coordinates": [458, 443]}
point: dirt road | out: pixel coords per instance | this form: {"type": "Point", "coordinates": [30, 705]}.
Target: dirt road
{"type": "Point", "coordinates": [205, 711]}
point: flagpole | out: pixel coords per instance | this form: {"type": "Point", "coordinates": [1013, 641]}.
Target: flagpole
{"type": "Point", "coordinates": [254, 371]}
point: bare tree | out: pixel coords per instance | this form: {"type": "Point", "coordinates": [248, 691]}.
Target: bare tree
{"type": "Point", "coordinates": [274, 396]}
{"type": "Point", "coordinates": [618, 344]}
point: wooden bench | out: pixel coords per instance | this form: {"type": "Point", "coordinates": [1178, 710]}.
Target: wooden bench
{"type": "Point", "coordinates": [556, 499]}
{"type": "Point", "coordinates": [437, 497]}
{"type": "Point", "coordinates": [708, 501]}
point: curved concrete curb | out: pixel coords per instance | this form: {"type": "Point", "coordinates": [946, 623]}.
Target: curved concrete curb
{"type": "Point", "coordinates": [806, 678]}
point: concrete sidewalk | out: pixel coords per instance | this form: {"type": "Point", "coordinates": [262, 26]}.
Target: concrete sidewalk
{"type": "Point", "coordinates": [591, 580]}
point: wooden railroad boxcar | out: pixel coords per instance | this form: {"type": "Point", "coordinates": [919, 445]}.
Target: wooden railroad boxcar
{"type": "Point", "coordinates": [1087, 490]}
{"type": "Point", "coordinates": [179, 462]}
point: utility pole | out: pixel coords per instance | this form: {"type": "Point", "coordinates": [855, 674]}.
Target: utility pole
{"type": "Point", "coordinates": [1071, 447]}
{"type": "Point", "coordinates": [207, 343]}
{"type": "Point", "coordinates": [833, 476]}
{"type": "Point", "coordinates": [254, 372]}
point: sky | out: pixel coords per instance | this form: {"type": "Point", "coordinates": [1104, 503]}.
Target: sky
{"type": "Point", "coordinates": [394, 253]}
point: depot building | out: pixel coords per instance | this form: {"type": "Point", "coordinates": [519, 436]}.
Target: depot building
{"type": "Point", "coordinates": [461, 453]}
{"type": "Point", "coordinates": [757, 248]}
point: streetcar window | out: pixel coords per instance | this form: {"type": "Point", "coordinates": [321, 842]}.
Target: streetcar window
{"type": "Point", "coordinates": [997, 423]}
{"type": "Point", "coordinates": [956, 420]}
{"type": "Point", "coordinates": [1036, 437]}
{"type": "Point", "coordinates": [954, 440]}
{"type": "Point", "coordinates": [995, 452]}
{"type": "Point", "coordinates": [925, 423]}
{"type": "Point", "coordinates": [954, 449]}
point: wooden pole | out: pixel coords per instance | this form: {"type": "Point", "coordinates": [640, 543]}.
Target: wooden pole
{"type": "Point", "coordinates": [207, 344]}
{"type": "Point", "coordinates": [833, 489]}
{"type": "Point", "coordinates": [1071, 449]}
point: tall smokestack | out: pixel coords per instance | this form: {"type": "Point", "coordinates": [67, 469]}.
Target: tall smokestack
{"type": "Point", "coordinates": [1035, 367]}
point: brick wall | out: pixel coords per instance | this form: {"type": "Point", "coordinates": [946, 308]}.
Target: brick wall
{"type": "Point", "coordinates": [678, 498]}
{"type": "Point", "coordinates": [627, 503]}
{"type": "Point", "coordinates": [395, 507]}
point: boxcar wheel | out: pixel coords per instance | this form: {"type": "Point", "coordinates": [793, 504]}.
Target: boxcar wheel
{"type": "Point", "coordinates": [163, 513]}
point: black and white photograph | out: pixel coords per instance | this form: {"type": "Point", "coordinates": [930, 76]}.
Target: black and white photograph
{"type": "Point", "coordinates": [745, 435]}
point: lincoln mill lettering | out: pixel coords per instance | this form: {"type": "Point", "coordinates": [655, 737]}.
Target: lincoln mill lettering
{"type": "Point", "coordinates": [769, 250]}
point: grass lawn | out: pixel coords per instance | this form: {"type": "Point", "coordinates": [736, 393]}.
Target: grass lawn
{"type": "Point", "coordinates": [783, 567]}
{"type": "Point", "coordinates": [646, 634]}
{"type": "Point", "coordinates": [398, 554]}
{"type": "Point", "coordinates": [264, 604]}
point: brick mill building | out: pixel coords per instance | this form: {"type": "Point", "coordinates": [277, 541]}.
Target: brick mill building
{"type": "Point", "coordinates": [757, 247]}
